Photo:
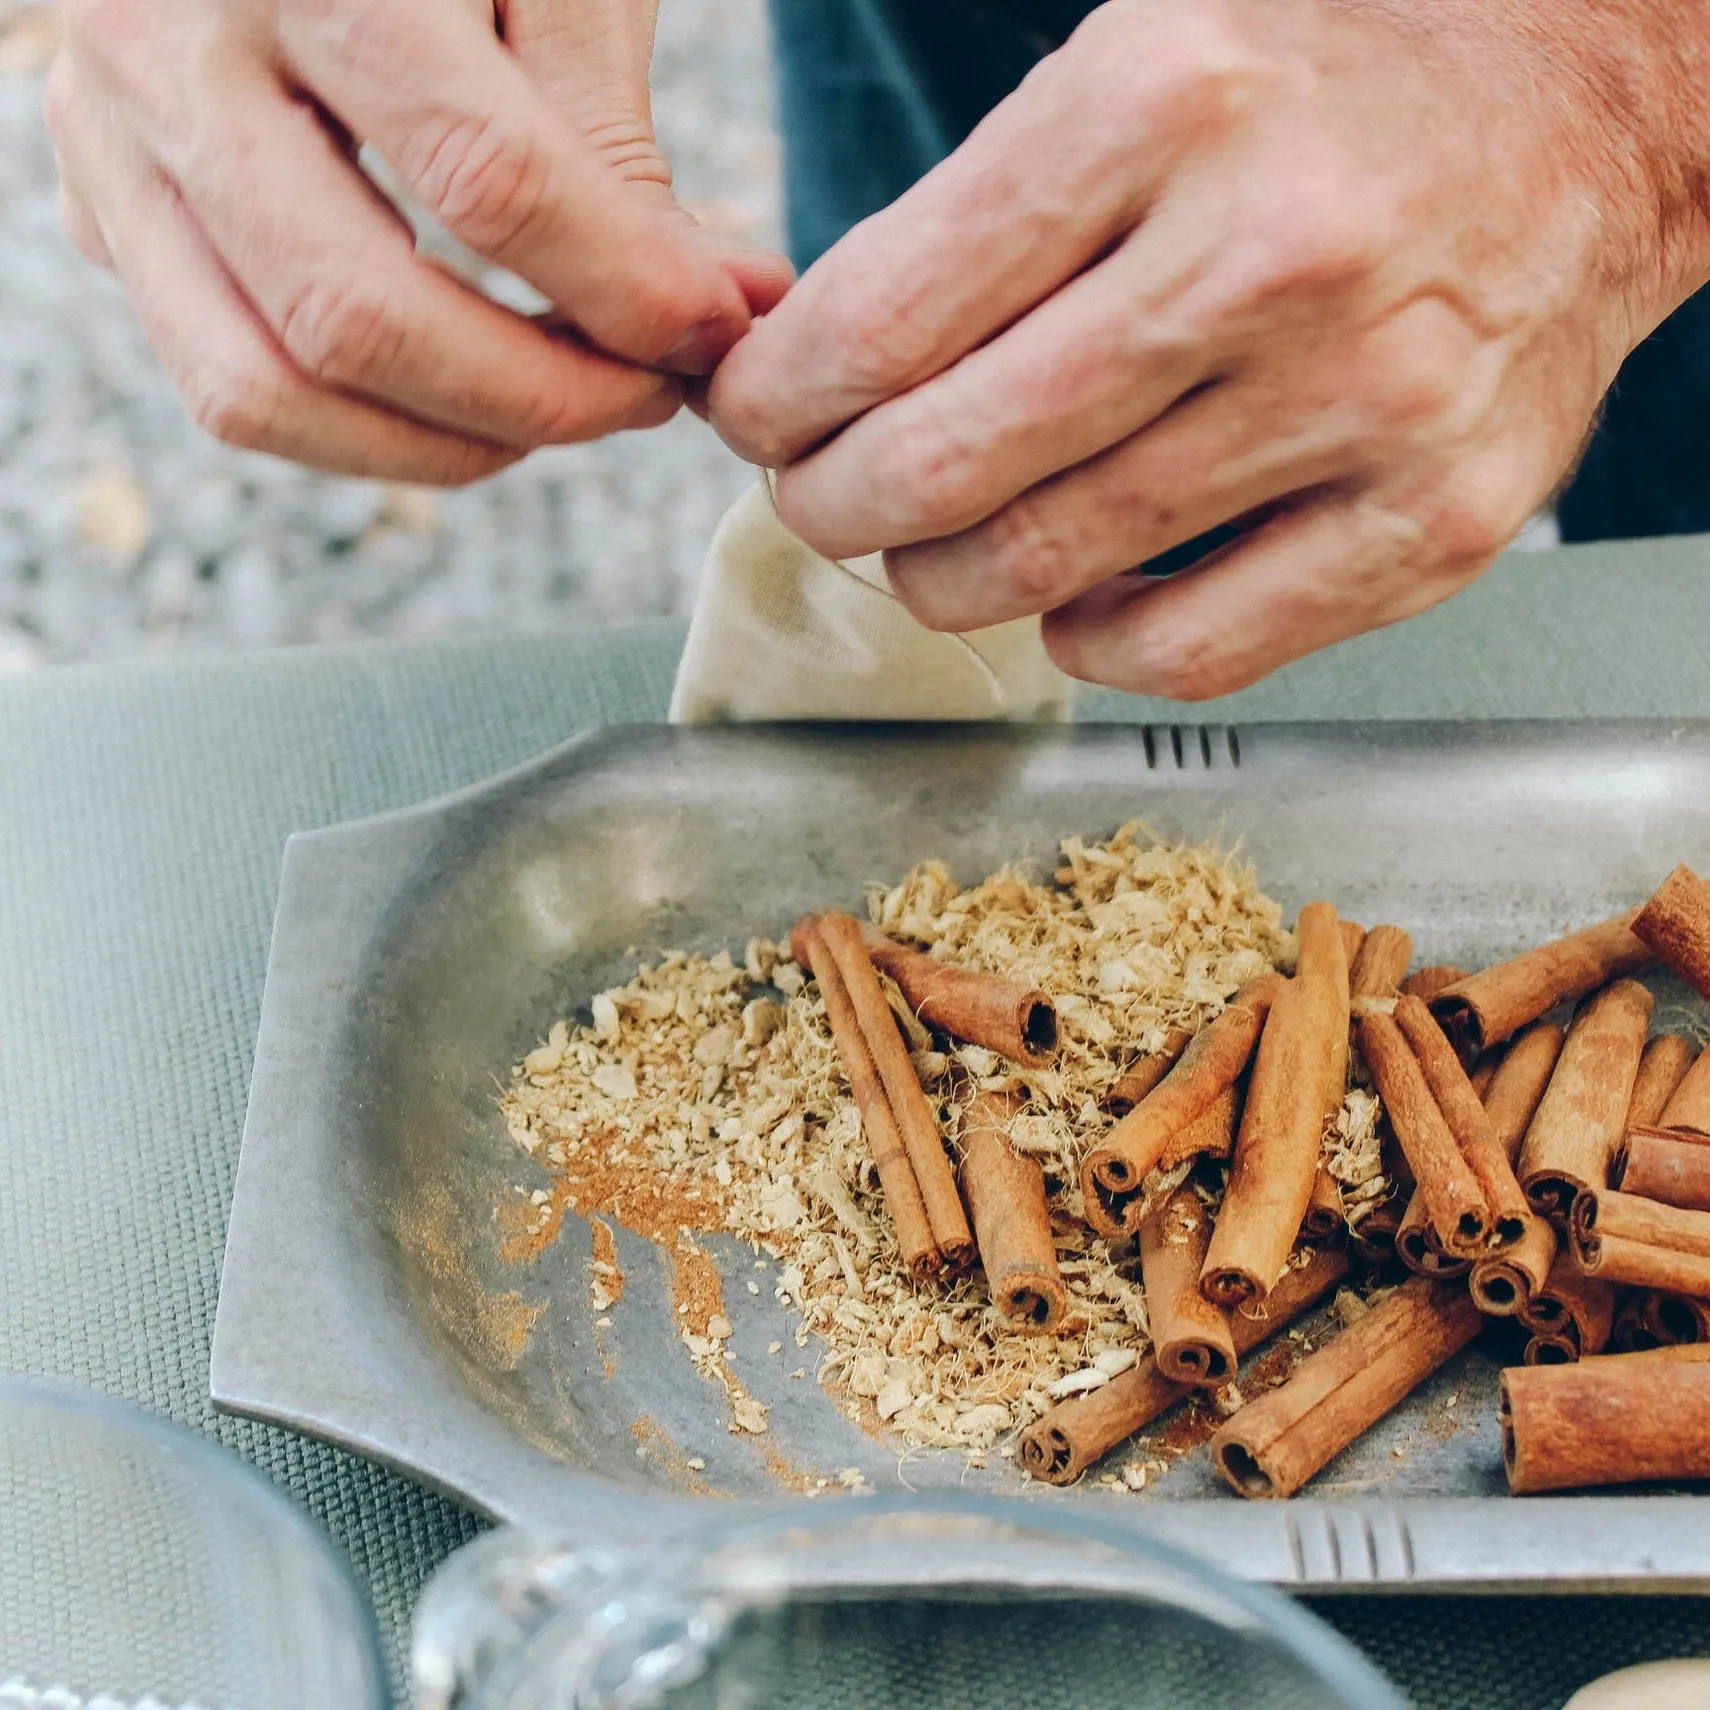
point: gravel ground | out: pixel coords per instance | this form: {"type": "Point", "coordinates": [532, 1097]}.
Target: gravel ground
{"type": "Point", "coordinates": [123, 530]}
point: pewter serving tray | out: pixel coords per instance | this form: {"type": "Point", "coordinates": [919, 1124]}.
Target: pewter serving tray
{"type": "Point", "coordinates": [417, 955]}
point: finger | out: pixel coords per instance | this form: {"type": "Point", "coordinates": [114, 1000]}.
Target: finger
{"type": "Point", "coordinates": [1223, 453]}
{"type": "Point", "coordinates": [80, 224]}
{"type": "Point", "coordinates": [1089, 367]}
{"type": "Point", "coordinates": [334, 273]}
{"type": "Point", "coordinates": [1306, 579]}
{"type": "Point", "coordinates": [467, 129]}
{"type": "Point", "coordinates": [1042, 186]}
{"type": "Point", "coordinates": [762, 275]}
{"type": "Point", "coordinates": [236, 382]}
{"type": "Point", "coordinates": [592, 63]}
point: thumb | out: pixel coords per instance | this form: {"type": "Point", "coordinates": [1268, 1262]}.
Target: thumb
{"type": "Point", "coordinates": [591, 60]}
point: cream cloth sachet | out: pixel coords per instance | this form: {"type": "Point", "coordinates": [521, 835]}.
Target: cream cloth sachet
{"type": "Point", "coordinates": [779, 632]}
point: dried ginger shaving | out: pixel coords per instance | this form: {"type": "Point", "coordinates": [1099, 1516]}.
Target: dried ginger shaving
{"type": "Point", "coordinates": [688, 1088]}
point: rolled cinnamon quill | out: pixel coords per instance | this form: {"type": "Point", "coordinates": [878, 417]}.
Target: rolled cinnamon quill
{"type": "Point", "coordinates": [1485, 1008]}
{"type": "Point", "coordinates": [1381, 965]}
{"type": "Point", "coordinates": [1191, 1339]}
{"type": "Point", "coordinates": [1418, 1247]}
{"type": "Point", "coordinates": [1325, 1213]}
{"type": "Point", "coordinates": [1426, 983]}
{"type": "Point", "coordinates": [1574, 1314]}
{"type": "Point", "coordinates": [1459, 1212]}
{"type": "Point", "coordinates": [1661, 1070]}
{"type": "Point", "coordinates": [1065, 1440]}
{"type": "Point", "coordinates": [1113, 1171]}
{"type": "Point", "coordinates": [1209, 1136]}
{"type": "Point", "coordinates": [1674, 1320]}
{"type": "Point", "coordinates": [1300, 1067]}
{"type": "Point", "coordinates": [1620, 1238]}
{"type": "Point", "coordinates": [1012, 1222]}
{"type": "Point", "coordinates": [1273, 1445]}
{"type": "Point", "coordinates": [1620, 1419]}
{"type": "Point", "coordinates": [915, 1122]}
{"type": "Point", "coordinates": [1503, 1283]}
{"type": "Point", "coordinates": [1688, 1106]}
{"type": "Point", "coordinates": [1675, 923]}
{"type": "Point", "coordinates": [1144, 1073]}
{"type": "Point", "coordinates": [1015, 1021]}
{"type": "Point", "coordinates": [1468, 1121]}
{"type": "Point", "coordinates": [1657, 1164]}
{"type": "Point", "coordinates": [1573, 1137]}
{"type": "Point", "coordinates": [909, 1222]}
{"type": "Point", "coordinates": [1372, 1237]}
{"type": "Point", "coordinates": [1353, 939]}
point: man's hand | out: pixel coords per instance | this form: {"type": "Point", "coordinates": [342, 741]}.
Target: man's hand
{"type": "Point", "coordinates": [1351, 274]}
{"type": "Point", "coordinates": [207, 155]}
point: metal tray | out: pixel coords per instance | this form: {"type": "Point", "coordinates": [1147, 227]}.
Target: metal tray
{"type": "Point", "coordinates": [417, 955]}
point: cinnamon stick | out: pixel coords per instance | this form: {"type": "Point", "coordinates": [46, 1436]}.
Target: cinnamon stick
{"type": "Point", "coordinates": [1300, 1066]}
{"type": "Point", "coordinates": [909, 1222]}
{"type": "Point", "coordinates": [1418, 1247]}
{"type": "Point", "coordinates": [1689, 1104]}
{"type": "Point", "coordinates": [1620, 1238]}
{"type": "Point", "coordinates": [1674, 1319]}
{"type": "Point", "coordinates": [1065, 1440]}
{"type": "Point", "coordinates": [1518, 1087]}
{"type": "Point", "coordinates": [1372, 1238]}
{"type": "Point", "coordinates": [1468, 1121]}
{"type": "Point", "coordinates": [1675, 923]}
{"type": "Point", "coordinates": [1273, 1445]}
{"type": "Point", "coordinates": [1191, 1339]}
{"type": "Point", "coordinates": [1113, 1171]}
{"type": "Point", "coordinates": [1657, 1165]}
{"type": "Point", "coordinates": [1381, 965]}
{"type": "Point", "coordinates": [1573, 1137]}
{"type": "Point", "coordinates": [841, 935]}
{"type": "Point", "coordinates": [1661, 1070]}
{"type": "Point", "coordinates": [1631, 1335]}
{"type": "Point", "coordinates": [1012, 1223]}
{"type": "Point", "coordinates": [1353, 939]}
{"type": "Point", "coordinates": [1571, 1309]}
{"type": "Point", "coordinates": [1209, 1136]}
{"type": "Point", "coordinates": [1145, 1072]}
{"type": "Point", "coordinates": [1014, 1020]}
{"type": "Point", "coordinates": [1621, 1419]}
{"type": "Point", "coordinates": [1503, 1283]}
{"type": "Point", "coordinates": [1325, 1212]}
{"type": "Point", "coordinates": [1426, 983]}
{"type": "Point", "coordinates": [1485, 1008]}
{"type": "Point", "coordinates": [1459, 1213]}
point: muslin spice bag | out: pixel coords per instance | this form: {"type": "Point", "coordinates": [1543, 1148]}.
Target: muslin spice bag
{"type": "Point", "coordinates": [779, 632]}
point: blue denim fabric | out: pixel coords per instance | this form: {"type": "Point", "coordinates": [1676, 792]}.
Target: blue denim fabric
{"type": "Point", "coordinates": [873, 93]}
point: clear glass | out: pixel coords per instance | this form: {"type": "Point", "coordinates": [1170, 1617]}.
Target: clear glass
{"type": "Point", "coordinates": [141, 1563]}
{"type": "Point", "coordinates": [871, 1604]}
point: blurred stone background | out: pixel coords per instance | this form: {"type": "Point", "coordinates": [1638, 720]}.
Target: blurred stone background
{"type": "Point", "coordinates": [123, 530]}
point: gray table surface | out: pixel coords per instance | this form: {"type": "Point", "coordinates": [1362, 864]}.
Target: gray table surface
{"type": "Point", "coordinates": [142, 812]}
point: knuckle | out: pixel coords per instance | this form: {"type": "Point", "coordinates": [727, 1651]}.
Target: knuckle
{"type": "Point", "coordinates": [238, 405]}
{"type": "Point", "coordinates": [1475, 516]}
{"type": "Point", "coordinates": [1030, 555]}
{"type": "Point", "coordinates": [935, 472]}
{"type": "Point", "coordinates": [490, 184]}
{"type": "Point", "coordinates": [343, 333]}
{"type": "Point", "coordinates": [1192, 69]}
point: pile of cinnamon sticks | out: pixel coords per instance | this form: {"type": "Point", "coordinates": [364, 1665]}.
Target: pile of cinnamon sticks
{"type": "Point", "coordinates": [1556, 1175]}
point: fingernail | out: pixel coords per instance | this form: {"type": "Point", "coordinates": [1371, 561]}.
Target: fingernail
{"type": "Point", "coordinates": [702, 348]}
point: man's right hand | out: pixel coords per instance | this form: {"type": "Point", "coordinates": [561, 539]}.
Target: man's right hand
{"type": "Point", "coordinates": [207, 155]}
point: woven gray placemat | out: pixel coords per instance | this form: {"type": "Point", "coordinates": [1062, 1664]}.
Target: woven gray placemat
{"type": "Point", "coordinates": [142, 814]}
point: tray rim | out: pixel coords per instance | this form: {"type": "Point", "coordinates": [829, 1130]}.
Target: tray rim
{"type": "Point", "coordinates": [374, 1406]}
